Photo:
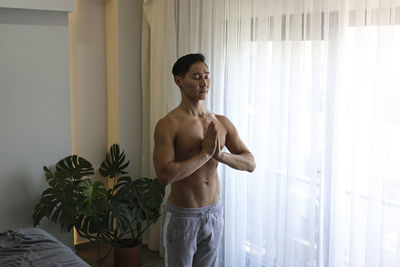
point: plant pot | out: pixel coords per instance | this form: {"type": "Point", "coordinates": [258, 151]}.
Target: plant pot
{"type": "Point", "coordinates": [127, 256]}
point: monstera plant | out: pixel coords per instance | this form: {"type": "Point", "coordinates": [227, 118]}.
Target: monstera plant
{"type": "Point", "coordinates": [118, 215]}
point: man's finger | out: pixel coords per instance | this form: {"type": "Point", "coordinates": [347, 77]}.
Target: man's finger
{"type": "Point", "coordinates": [209, 130]}
{"type": "Point", "coordinates": [212, 126]}
{"type": "Point", "coordinates": [214, 133]}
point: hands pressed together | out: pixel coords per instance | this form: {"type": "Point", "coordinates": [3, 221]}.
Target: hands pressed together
{"type": "Point", "coordinates": [210, 144]}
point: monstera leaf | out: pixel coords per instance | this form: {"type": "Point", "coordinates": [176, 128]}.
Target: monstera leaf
{"type": "Point", "coordinates": [114, 216]}
{"type": "Point", "coordinates": [89, 227]}
{"type": "Point", "coordinates": [59, 205]}
{"type": "Point", "coordinates": [120, 216]}
{"type": "Point", "coordinates": [149, 194]}
{"type": "Point", "coordinates": [114, 163]}
{"type": "Point", "coordinates": [91, 192]}
{"type": "Point", "coordinates": [76, 167]}
{"type": "Point", "coordinates": [124, 189]}
{"type": "Point", "coordinates": [58, 179]}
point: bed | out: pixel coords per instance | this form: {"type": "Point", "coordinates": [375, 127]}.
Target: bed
{"type": "Point", "coordinates": [35, 247]}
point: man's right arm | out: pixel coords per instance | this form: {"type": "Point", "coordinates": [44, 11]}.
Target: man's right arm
{"type": "Point", "coordinates": [169, 171]}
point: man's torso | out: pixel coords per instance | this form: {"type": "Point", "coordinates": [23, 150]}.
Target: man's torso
{"type": "Point", "coordinates": [201, 188]}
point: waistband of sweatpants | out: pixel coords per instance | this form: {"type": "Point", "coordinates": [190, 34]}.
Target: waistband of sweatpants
{"type": "Point", "coordinates": [189, 212]}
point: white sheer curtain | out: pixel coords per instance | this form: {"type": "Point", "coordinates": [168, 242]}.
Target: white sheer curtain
{"type": "Point", "coordinates": [314, 89]}
{"type": "Point", "coordinates": [365, 185]}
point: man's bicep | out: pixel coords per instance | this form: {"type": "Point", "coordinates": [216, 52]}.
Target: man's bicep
{"type": "Point", "coordinates": [234, 144]}
{"type": "Point", "coordinates": [162, 156]}
{"type": "Point", "coordinates": [163, 147]}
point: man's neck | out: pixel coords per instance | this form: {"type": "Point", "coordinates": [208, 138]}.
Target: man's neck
{"type": "Point", "coordinates": [194, 109]}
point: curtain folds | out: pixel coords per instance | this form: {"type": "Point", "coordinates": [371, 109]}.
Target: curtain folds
{"type": "Point", "coordinates": [313, 87]}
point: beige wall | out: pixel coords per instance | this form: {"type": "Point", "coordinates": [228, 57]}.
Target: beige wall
{"type": "Point", "coordinates": [88, 80]}
{"type": "Point", "coordinates": [105, 80]}
{"type": "Point", "coordinates": [50, 109]}
{"type": "Point", "coordinates": [130, 91]}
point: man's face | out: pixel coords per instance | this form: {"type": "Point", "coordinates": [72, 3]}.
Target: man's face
{"type": "Point", "coordinates": [196, 82]}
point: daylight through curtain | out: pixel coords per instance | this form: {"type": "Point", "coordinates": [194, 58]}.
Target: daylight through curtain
{"type": "Point", "coordinates": [313, 88]}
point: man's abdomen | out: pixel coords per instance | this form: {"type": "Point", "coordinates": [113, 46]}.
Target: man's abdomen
{"type": "Point", "coordinates": [200, 189]}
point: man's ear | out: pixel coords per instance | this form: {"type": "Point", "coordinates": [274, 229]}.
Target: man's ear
{"type": "Point", "coordinates": [178, 80]}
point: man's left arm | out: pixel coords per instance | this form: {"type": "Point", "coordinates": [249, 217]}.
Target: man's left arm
{"type": "Point", "coordinates": [239, 158]}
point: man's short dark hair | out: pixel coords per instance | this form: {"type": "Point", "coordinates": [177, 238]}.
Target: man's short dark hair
{"type": "Point", "coordinates": [182, 65]}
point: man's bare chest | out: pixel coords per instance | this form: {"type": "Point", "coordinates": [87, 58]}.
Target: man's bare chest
{"type": "Point", "coordinates": [190, 135]}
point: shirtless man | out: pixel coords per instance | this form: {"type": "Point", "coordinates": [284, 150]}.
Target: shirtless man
{"type": "Point", "coordinates": [188, 147]}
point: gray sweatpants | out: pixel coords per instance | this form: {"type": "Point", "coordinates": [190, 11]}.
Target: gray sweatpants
{"type": "Point", "coordinates": [191, 236]}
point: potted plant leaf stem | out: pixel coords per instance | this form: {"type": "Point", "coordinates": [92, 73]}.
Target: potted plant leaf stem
{"type": "Point", "coordinates": [118, 216]}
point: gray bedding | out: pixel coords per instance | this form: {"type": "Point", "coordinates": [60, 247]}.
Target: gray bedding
{"type": "Point", "coordinates": [35, 247]}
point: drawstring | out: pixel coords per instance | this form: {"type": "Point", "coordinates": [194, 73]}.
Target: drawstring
{"type": "Point", "coordinates": [205, 216]}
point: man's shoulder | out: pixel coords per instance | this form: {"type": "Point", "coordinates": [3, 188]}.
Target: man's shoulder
{"type": "Point", "coordinates": [219, 116]}
{"type": "Point", "coordinates": [227, 124]}
{"type": "Point", "coordinates": [167, 120]}
{"type": "Point", "coordinates": [223, 119]}
{"type": "Point", "coordinates": [167, 123]}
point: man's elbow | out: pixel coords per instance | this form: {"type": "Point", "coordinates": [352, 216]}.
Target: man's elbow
{"type": "Point", "coordinates": [252, 164]}
{"type": "Point", "coordinates": [163, 179]}
{"type": "Point", "coordinates": [251, 167]}
{"type": "Point", "coordinates": [164, 176]}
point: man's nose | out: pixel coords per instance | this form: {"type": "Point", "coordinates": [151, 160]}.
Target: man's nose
{"type": "Point", "coordinates": [203, 81]}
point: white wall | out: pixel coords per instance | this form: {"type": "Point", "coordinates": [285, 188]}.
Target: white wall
{"type": "Point", "coordinates": [34, 109]}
